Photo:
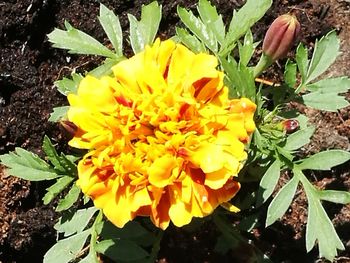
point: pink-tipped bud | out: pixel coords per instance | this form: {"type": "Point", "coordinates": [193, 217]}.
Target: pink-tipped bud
{"type": "Point", "coordinates": [68, 128]}
{"type": "Point", "coordinates": [280, 36]}
{"type": "Point", "coordinates": [290, 126]}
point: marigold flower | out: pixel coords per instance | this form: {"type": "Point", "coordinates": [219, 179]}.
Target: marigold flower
{"type": "Point", "coordinates": [163, 138]}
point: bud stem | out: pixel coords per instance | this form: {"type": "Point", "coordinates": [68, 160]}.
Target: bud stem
{"type": "Point", "coordinates": [264, 62]}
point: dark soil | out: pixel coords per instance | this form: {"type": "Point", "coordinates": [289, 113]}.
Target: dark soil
{"type": "Point", "coordinates": [29, 66]}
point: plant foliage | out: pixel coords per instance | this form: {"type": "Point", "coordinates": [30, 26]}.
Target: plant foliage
{"type": "Point", "coordinates": [83, 233]}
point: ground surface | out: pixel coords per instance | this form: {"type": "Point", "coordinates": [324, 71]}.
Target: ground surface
{"type": "Point", "coordinates": [29, 66]}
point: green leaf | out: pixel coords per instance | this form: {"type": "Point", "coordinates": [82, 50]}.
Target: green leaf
{"type": "Point", "coordinates": [61, 163]}
{"type": "Point", "coordinates": [143, 32]}
{"type": "Point", "coordinates": [121, 250]}
{"type": "Point", "coordinates": [334, 196]}
{"type": "Point", "coordinates": [241, 77]}
{"type": "Point", "coordinates": [56, 188]}
{"type": "Point", "coordinates": [324, 160]}
{"type": "Point", "coordinates": [51, 154]}
{"type": "Point", "coordinates": [105, 68]}
{"type": "Point", "coordinates": [290, 74]}
{"type": "Point", "coordinates": [111, 25]}
{"type": "Point", "coordinates": [302, 61]}
{"type": "Point", "coordinates": [27, 165]}
{"type": "Point", "coordinates": [90, 258]}
{"type": "Point", "coordinates": [67, 249]}
{"type": "Point", "coordinates": [319, 227]}
{"type": "Point", "coordinates": [66, 85]}
{"type": "Point", "coordinates": [222, 246]}
{"type": "Point", "coordinates": [71, 224]}
{"type": "Point", "coordinates": [325, 52]}
{"type": "Point", "coordinates": [189, 40]}
{"type": "Point", "coordinates": [58, 113]}
{"type": "Point", "coordinates": [242, 21]}
{"type": "Point", "coordinates": [327, 102]}
{"type": "Point", "coordinates": [246, 50]}
{"type": "Point", "coordinates": [212, 20]}
{"type": "Point", "coordinates": [268, 182]}
{"type": "Point", "coordinates": [132, 230]}
{"type": "Point", "coordinates": [78, 42]}
{"type": "Point", "coordinates": [282, 201]}
{"type": "Point", "coordinates": [248, 223]}
{"type": "Point", "coordinates": [69, 199]}
{"type": "Point", "coordinates": [237, 241]}
{"type": "Point", "coordinates": [299, 138]}
{"type": "Point", "coordinates": [198, 28]}
{"type": "Point", "coordinates": [329, 86]}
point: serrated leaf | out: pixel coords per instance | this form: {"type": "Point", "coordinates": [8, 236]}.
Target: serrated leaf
{"type": "Point", "coordinates": [319, 227]}
{"type": "Point", "coordinates": [282, 201]}
{"type": "Point", "coordinates": [290, 74]}
{"type": "Point", "coordinates": [299, 138]}
{"type": "Point", "coordinates": [51, 154]}
{"type": "Point", "coordinates": [71, 197]}
{"type": "Point", "coordinates": [61, 163]}
{"type": "Point", "coordinates": [246, 50]}
{"type": "Point", "coordinates": [56, 188]}
{"type": "Point", "coordinates": [334, 196]}
{"type": "Point", "coordinates": [67, 249]}
{"type": "Point", "coordinates": [121, 250]}
{"type": "Point", "coordinates": [66, 85]}
{"type": "Point", "coordinates": [268, 182]}
{"type": "Point", "coordinates": [105, 68]}
{"type": "Point", "coordinates": [259, 140]}
{"type": "Point", "coordinates": [324, 160]}
{"type": "Point", "coordinates": [241, 77]}
{"type": "Point", "coordinates": [78, 42]}
{"type": "Point", "coordinates": [242, 20]}
{"type": "Point", "coordinates": [143, 32]}
{"type": "Point", "coordinates": [27, 165]}
{"type": "Point", "coordinates": [327, 102]}
{"type": "Point", "coordinates": [71, 224]}
{"type": "Point", "coordinates": [212, 20]}
{"type": "Point", "coordinates": [329, 86]}
{"type": "Point", "coordinates": [68, 165]}
{"type": "Point", "coordinates": [58, 113]}
{"type": "Point", "coordinates": [325, 52]}
{"type": "Point", "coordinates": [189, 40]}
{"type": "Point", "coordinates": [72, 158]}
{"type": "Point", "coordinates": [111, 25]}
{"type": "Point", "coordinates": [198, 28]}
{"type": "Point", "coordinates": [301, 58]}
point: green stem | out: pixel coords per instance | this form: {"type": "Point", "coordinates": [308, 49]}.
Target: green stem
{"type": "Point", "coordinates": [264, 62]}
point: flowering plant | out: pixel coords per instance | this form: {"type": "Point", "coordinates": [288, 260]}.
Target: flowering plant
{"type": "Point", "coordinates": [172, 132]}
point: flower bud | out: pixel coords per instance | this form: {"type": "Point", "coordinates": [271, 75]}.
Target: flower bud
{"type": "Point", "coordinates": [288, 126]}
{"type": "Point", "coordinates": [280, 36]}
{"type": "Point", "coordinates": [68, 128]}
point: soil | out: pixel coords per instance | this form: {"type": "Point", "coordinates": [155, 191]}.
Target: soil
{"type": "Point", "coordinates": [29, 66]}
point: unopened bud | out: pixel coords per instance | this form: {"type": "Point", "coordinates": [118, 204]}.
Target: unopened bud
{"type": "Point", "coordinates": [278, 40]}
{"type": "Point", "coordinates": [289, 126]}
{"type": "Point", "coordinates": [280, 36]}
{"type": "Point", "coordinates": [68, 128]}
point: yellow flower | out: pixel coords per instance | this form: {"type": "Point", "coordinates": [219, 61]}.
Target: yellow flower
{"type": "Point", "coordinates": [163, 138]}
